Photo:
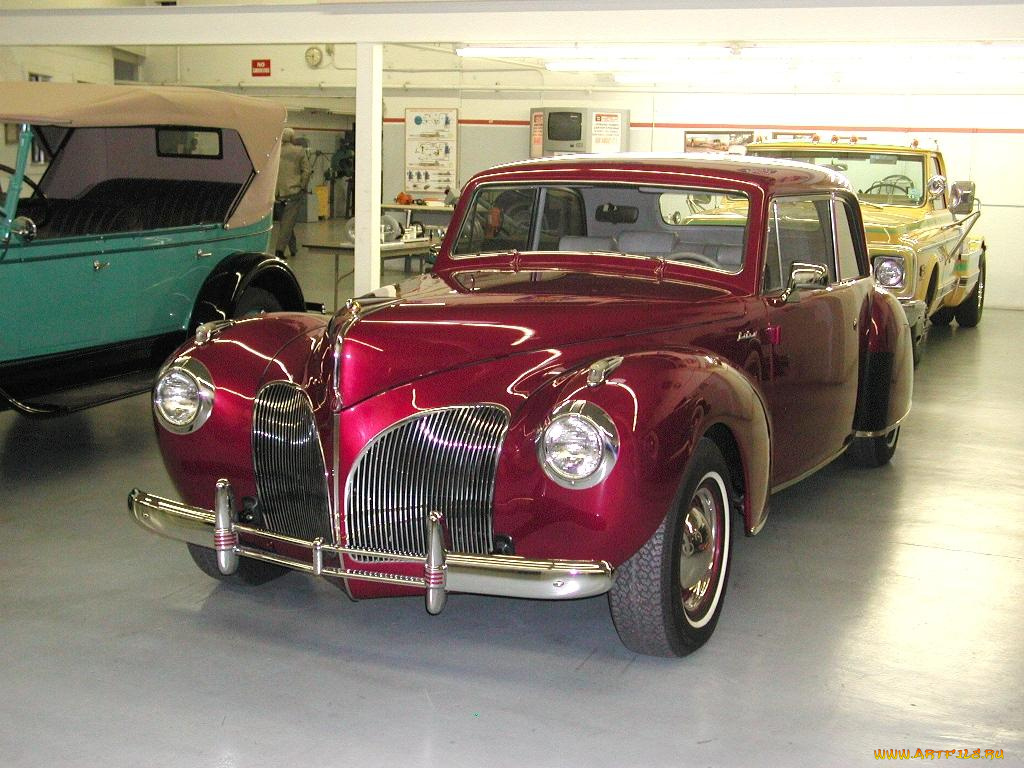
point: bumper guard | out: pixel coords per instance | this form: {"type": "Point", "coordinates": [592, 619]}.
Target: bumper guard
{"type": "Point", "coordinates": [443, 571]}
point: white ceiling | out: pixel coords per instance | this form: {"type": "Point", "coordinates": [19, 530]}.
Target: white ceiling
{"type": "Point", "coordinates": [421, 35]}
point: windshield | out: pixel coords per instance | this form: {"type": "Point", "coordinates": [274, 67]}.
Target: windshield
{"type": "Point", "coordinates": [700, 227]}
{"type": "Point", "coordinates": [882, 178]}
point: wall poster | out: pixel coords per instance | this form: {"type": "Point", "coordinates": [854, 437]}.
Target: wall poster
{"type": "Point", "coordinates": [716, 141]}
{"type": "Point", "coordinates": [431, 156]}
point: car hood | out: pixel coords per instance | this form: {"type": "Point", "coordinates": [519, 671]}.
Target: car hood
{"type": "Point", "coordinates": [890, 224]}
{"type": "Point", "coordinates": [436, 324]}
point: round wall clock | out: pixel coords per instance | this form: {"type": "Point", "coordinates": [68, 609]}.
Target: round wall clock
{"type": "Point", "coordinates": [314, 56]}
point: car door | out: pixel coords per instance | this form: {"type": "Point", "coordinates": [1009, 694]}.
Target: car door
{"type": "Point", "coordinates": [811, 384]}
{"type": "Point", "coordinates": [64, 294]}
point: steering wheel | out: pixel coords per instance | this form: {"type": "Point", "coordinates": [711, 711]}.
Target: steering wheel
{"type": "Point", "coordinates": [32, 185]}
{"type": "Point", "coordinates": [516, 220]}
{"type": "Point", "coordinates": [696, 258]}
{"type": "Point", "coordinates": [894, 183]}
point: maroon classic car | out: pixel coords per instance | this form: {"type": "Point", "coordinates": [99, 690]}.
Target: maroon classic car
{"type": "Point", "coordinates": [614, 363]}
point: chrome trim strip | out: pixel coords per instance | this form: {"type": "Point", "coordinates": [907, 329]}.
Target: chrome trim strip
{"type": "Point", "coordinates": [808, 473]}
{"type": "Point", "coordinates": [882, 432]}
{"type": "Point", "coordinates": [599, 370]}
{"type": "Point", "coordinates": [499, 575]}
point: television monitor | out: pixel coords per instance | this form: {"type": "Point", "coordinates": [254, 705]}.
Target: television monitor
{"type": "Point", "coordinates": [565, 130]}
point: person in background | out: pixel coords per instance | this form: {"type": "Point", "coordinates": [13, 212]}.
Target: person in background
{"type": "Point", "coordinates": [292, 178]}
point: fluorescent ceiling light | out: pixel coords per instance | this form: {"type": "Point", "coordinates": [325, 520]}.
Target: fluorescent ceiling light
{"type": "Point", "coordinates": [596, 58]}
{"type": "Point", "coordinates": [593, 52]}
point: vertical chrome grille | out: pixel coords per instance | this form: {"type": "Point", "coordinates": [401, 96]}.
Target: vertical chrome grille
{"type": "Point", "coordinates": [442, 460]}
{"type": "Point", "coordinates": [291, 480]}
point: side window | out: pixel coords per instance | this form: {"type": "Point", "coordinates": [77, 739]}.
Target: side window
{"type": "Point", "coordinates": [500, 220]}
{"type": "Point", "coordinates": [799, 231]}
{"type": "Point", "coordinates": [563, 216]}
{"type": "Point", "coordinates": [846, 249]}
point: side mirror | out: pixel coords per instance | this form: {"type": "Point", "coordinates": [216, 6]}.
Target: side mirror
{"type": "Point", "coordinates": [962, 198]}
{"type": "Point", "coordinates": [25, 228]}
{"type": "Point", "coordinates": [804, 276]}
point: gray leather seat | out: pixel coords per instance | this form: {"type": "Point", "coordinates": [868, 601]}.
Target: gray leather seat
{"type": "Point", "coordinates": [647, 243]}
{"type": "Point", "coordinates": [586, 244]}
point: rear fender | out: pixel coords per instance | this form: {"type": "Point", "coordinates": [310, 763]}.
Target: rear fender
{"type": "Point", "coordinates": [229, 279]}
{"type": "Point", "coordinates": [886, 377]}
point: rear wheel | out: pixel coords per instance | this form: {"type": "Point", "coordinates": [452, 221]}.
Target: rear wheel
{"type": "Point", "coordinates": [873, 452]}
{"type": "Point", "coordinates": [250, 573]}
{"type": "Point", "coordinates": [968, 314]}
{"type": "Point", "coordinates": [667, 598]}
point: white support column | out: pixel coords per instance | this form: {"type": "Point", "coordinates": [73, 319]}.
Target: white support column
{"type": "Point", "coordinates": [369, 124]}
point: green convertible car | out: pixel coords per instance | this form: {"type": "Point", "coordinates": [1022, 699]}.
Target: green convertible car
{"type": "Point", "coordinates": [130, 216]}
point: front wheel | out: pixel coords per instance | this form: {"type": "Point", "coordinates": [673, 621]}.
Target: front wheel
{"type": "Point", "coordinates": [968, 314]}
{"type": "Point", "coordinates": [667, 598]}
{"type": "Point", "coordinates": [942, 316]}
{"type": "Point", "coordinates": [873, 452]}
{"type": "Point", "coordinates": [918, 335]}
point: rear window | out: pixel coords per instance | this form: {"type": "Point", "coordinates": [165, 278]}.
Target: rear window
{"type": "Point", "coordinates": [189, 142]}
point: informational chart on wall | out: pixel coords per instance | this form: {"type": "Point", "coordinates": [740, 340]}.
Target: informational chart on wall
{"type": "Point", "coordinates": [606, 132]}
{"type": "Point", "coordinates": [431, 151]}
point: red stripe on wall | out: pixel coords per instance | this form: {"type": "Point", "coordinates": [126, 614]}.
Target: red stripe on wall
{"type": "Point", "coordinates": [822, 128]}
{"type": "Point", "coordinates": [761, 126]}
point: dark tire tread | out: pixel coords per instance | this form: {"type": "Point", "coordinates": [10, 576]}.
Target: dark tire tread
{"type": "Point", "coordinates": [872, 452]}
{"type": "Point", "coordinates": [642, 599]}
{"type": "Point", "coordinates": [968, 314]}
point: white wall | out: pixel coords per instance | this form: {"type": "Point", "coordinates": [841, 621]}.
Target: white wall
{"type": "Point", "coordinates": [981, 135]}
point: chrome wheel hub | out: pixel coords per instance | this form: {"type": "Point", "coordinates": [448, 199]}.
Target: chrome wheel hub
{"type": "Point", "coordinates": [699, 547]}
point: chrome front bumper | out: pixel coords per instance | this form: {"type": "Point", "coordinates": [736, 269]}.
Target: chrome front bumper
{"type": "Point", "coordinates": [443, 571]}
{"type": "Point", "coordinates": [915, 310]}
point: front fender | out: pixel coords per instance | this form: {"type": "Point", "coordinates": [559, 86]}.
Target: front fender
{"type": "Point", "coordinates": [662, 403]}
{"type": "Point", "coordinates": [230, 278]}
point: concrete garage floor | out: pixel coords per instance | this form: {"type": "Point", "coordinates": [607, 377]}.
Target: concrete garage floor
{"type": "Point", "coordinates": [877, 610]}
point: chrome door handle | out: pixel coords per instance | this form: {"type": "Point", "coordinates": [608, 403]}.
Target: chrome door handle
{"type": "Point", "coordinates": [201, 254]}
{"type": "Point", "coordinates": [98, 265]}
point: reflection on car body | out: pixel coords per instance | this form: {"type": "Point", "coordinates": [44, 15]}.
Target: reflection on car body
{"type": "Point", "coordinates": [614, 363]}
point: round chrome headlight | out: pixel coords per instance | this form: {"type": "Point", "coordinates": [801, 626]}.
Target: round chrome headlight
{"type": "Point", "coordinates": [183, 396]}
{"type": "Point", "coordinates": [578, 445]}
{"type": "Point", "coordinates": [889, 271]}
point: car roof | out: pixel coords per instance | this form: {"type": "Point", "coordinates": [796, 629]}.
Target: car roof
{"type": "Point", "coordinates": [778, 175]}
{"type": "Point", "coordinates": [259, 122]}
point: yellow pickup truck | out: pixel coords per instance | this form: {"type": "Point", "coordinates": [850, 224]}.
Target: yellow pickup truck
{"type": "Point", "coordinates": [918, 226]}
